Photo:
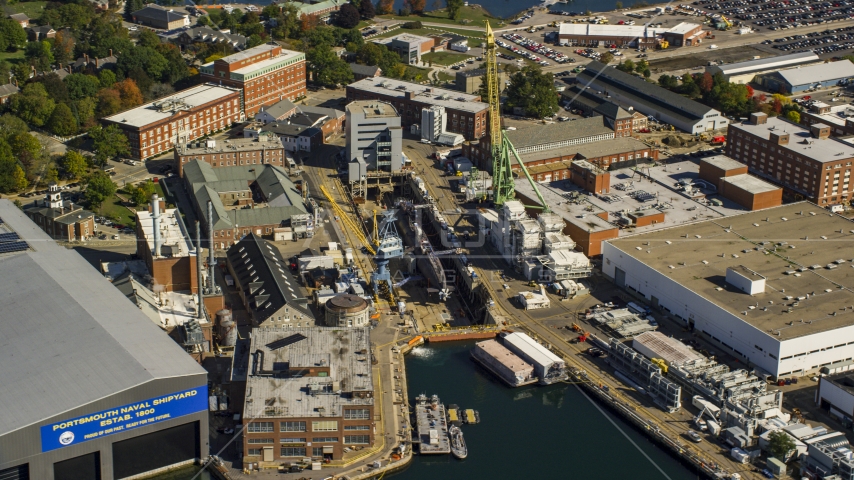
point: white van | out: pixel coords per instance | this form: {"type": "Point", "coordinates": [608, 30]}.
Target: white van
{"type": "Point", "coordinates": [638, 309]}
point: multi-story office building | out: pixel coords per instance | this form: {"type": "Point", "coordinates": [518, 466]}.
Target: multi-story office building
{"type": "Point", "coordinates": [374, 138]}
{"type": "Point", "coordinates": [806, 162]}
{"type": "Point", "coordinates": [265, 74]}
{"type": "Point", "coordinates": [466, 113]}
{"type": "Point", "coordinates": [266, 149]}
{"type": "Point", "coordinates": [158, 126]}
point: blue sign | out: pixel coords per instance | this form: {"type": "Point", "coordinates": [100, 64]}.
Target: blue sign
{"type": "Point", "coordinates": [123, 418]}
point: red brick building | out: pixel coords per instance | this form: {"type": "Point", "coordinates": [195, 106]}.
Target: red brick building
{"type": "Point", "coordinates": [266, 73]}
{"type": "Point", "coordinates": [184, 116]}
{"type": "Point", "coordinates": [263, 150]}
{"type": "Point", "coordinates": [806, 162]}
{"type": "Point", "coordinates": [732, 181]}
{"type": "Point", "coordinates": [590, 177]}
{"type": "Point", "coordinates": [61, 219]}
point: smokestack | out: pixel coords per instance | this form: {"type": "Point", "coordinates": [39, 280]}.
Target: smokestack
{"type": "Point", "coordinates": [155, 217]}
{"type": "Point", "coordinates": [201, 314]}
{"type": "Point", "coordinates": [211, 261]}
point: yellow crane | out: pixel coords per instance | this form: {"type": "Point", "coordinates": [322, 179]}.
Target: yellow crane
{"type": "Point", "coordinates": [339, 212]}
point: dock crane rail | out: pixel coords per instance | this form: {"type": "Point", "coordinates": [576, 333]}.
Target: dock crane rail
{"type": "Point", "coordinates": [339, 212]}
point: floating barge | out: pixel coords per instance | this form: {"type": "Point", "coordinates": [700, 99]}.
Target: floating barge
{"type": "Point", "coordinates": [432, 426]}
{"type": "Point", "coordinates": [503, 363]}
{"type": "Point", "coordinates": [453, 415]}
{"type": "Point", "coordinates": [471, 416]}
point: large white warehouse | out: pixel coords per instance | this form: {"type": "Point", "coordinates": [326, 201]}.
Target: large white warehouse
{"type": "Point", "coordinates": [773, 286]}
{"type": "Point", "coordinates": [548, 366]}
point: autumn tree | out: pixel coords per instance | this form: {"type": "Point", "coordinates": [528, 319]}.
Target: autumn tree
{"type": "Point", "coordinates": [74, 164]}
{"type": "Point", "coordinates": [415, 6]}
{"type": "Point", "coordinates": [63, 47]}
{"type": "Point", "coordinates": [129, 93]}
{"type": "Point", "coordinates": [386, 7]}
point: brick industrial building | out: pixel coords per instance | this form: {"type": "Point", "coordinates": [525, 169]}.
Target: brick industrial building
{"type": "Point", "coordinates": [263, 150]}
{"type": "Point", "coordinates": [806, 162]}
{"type": "Point", "coordinates": [170, 255]}
{"type": "Point", "coordinates": [61, 219]}
{"type": "Point", "coordinates": [306, 399]}
{"type": "Point", "coordinates": [158, 126]}
{"type": "Point", "coordinates": [732, 182]}
{"type": "Point", "coordinates": [837, 117]}
{"type": "Point", "coordinates": [466, 113]}
{"type": "Point", "coordinates": [265, 74]}
{"type": "Point", "coordinates": [233, 193]}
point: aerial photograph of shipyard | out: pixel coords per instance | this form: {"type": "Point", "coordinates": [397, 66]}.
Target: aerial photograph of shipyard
{"type": "Point", "coordinates": [426, 239]}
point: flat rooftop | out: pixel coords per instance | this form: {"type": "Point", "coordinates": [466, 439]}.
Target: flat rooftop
{"type": "Point", "coordinates": [274, 389]}
{"type": "Point", "coordinates": [507, 358]}
{"type": "Point", "coordinates": [768, 63]}
{"type": "Point", "coordinates": [159, 109]}
{"type": "Point", "coordinates": [836, 115]}
{"type": "Point", "coordinates": [284, 56]}
{"type": "Point", "coordinates": [801, 140]}
{"type": "Point", "coordinates": [372, 109]}
{"type": "Point", "coordinates": [791, 245]}
{"type": "Point", "coordinates": [173, 233]}
{"type": "Point", "coordinates": [659, 195]}
{"type": "Point", "coordinates": [263, 142]}
{"type": "Point", "coordinates": [749, 183]}
{"type": "Point", "coordinates": [723, 162]}
{"type": "Point", "coordinates": [424, 94]}
{"type": "Point", "coordinates": [592, 30]}
{"type": "Point", "coordinates": [99, 343]}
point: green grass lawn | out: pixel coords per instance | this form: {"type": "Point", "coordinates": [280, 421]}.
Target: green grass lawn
{"type": "Point", "coordinates": [115, 210]}
{"type": "Point", "coordinates": [471, 15]}
{"type": "Point", "coordinates": [12, 57]}
{"type": "Point", "coordinates": [444, 58]}
{"type": "Point", "coordinates": [415, 74]}
{"type": "Point", "coordinates": [32, 9]}
{"type": "Point", "coordinates": [472, 34]}
{"type": "Point", "coordinates": [445, 77]}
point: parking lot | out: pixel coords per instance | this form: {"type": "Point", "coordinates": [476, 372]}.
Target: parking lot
{"type": "Point", "coordinates": [776, 15]}
{"type": "Point", "coordinates": [831, 41]}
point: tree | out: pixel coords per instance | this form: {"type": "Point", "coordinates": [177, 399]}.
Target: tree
{"type": "Point", "coordinates": [74, 164]}
{"type": "Point", "coordinates": [793, 116]}
{"type": "Point", "coordinates": [706, 82]}
{"type": "Point", "coordinates": [39, 55]}
{"type": "Point", "coordinates": [455, 8]}
{"type": "Point", "coordinates": [26, 148]}
{"type": "Point", "coordinates": [416, 25]}
{"type": "Point", "coordinates": [12, 35]}
{"type": "Point", "coordinates": [329, 69]}
{"type": "Point", "coordinates": [533, 91]}
{"type": "Point", "coordinates": [51, 174]}
{"type": "Point", "coordinates": [147, 38]}
{"type": "Point", "coordinates": [176, 68]}
{"type": "Point", "coordinates": [109, 142]}
{"type": "Point", "coordinates": [159, 90]}
{"type": "Point", "coordinates": [82, 86]}
{"type": "Point", "coordinates": [141, 193]}
{"type": "Point", "coordinates": [780, 444]}
{"type": "Point", "coordinates": [32, 104]}
{"type": "Point", "coordinates": [106, 78]}
{"type": "Point", "coordinates": [386, 7]}
{"type": "Point", "coordinates": [84, 111]}
{"type": "Point", "coordinates": [12, 177]}
{"type": "Point", "coordinates": [55, 87]}
{"type": "Point", "coordinates": [606, 58]}
{"type": "Point", "coordinates": [146, 59]}
{"type": "Point", "coordinates": [347, 16]}
{"type": "Point", "coordinates": [618, 5]}
{"type": "Point", "coordinates": [109, 102]}
{"type": "Point", "coordinates": [367, 10]}
{"type": "Point", "coordinates": [646, 73]}
{"type": "Point", "coordinates": [641, 66]}
{"type": "Point", "coordinates": [416, 6]}
{"type": "Point", "coordinates": [129, 93]}
{"type": "Point", "coordinates": [99, 187]}
{"type": "Point", "coordinates": [11, 125]}
{"type": "Point", "coordinates": [254, 40]}
{"type": "Point", "coordinates": [627, 66]}
{"type": "Point", "coordinates": [63, 47]}
{"type": "Point", "coordinates": [62, 121]}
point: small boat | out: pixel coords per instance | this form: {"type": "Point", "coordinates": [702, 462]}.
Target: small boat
{"type": "Point", "coordinates": [471, 416]}
{"type": "Point", "coordinates": [458, 445]}
{"type": "Point", "coordinates": [454, 415]}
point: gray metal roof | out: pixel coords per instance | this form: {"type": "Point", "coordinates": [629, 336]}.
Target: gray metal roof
{"type": "Point", "coordinates": [765, 64]}
{"type": "Point", "coordinates": [367, 70]}
{"type": "Point", "coordinates": [537, 134]}
{"type": "Point", "coordinates": [817, 73]}
{"type": "Point", "coordinates": [157, 13]}
{"type": "Point", "coordinates": [612, 110]}
{"type": "Point", "coordinates": [8, 89]}
{"type": "Point", "coordinates": [642, 93]}
{"type": "Point", "coordinates": [67, 337]}
{"type": "Point", "coordinates": [206, 181]}
{"type": "Point", "coordinates": [260, 270]}
{"type": "Point", "coordinates": [279, 109]}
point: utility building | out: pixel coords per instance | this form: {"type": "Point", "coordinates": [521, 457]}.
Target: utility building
{"type": "Point", "coordinates": [113, 384]}
{"type": "Point", "coordinates": [771, 289]}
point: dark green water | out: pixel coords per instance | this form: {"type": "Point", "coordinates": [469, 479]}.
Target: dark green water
{"type": "Point", "coordinates": [184, 474]}
{"type": "Point", "coordinates": [549, 432]}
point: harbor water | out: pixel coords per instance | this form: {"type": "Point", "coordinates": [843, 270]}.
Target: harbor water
{"type": "Point", "coordinates": [187, 473]}
{"type": "Point", "coordinates": [529, 432]}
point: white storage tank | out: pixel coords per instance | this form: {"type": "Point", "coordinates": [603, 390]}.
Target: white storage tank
{"type": "Point", "coordinates": [347, 310]}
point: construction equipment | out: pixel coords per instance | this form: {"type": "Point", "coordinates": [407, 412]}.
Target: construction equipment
{"type": "Point", "coordinates": [502, 173]}
{"type": "Point", "coordinates": [390, 246]}
{"type": "Point", "coordinates": [340, 214]}
{"type": "Point", "coordinates": [660, 363]}
{"type": "Point", "coordinates": [663, 45]}
{"type": "Point", "coordinates": [503, 187]}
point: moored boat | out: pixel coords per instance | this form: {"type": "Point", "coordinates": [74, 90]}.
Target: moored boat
{"type": "Point", "coordinates": [458, 444]}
